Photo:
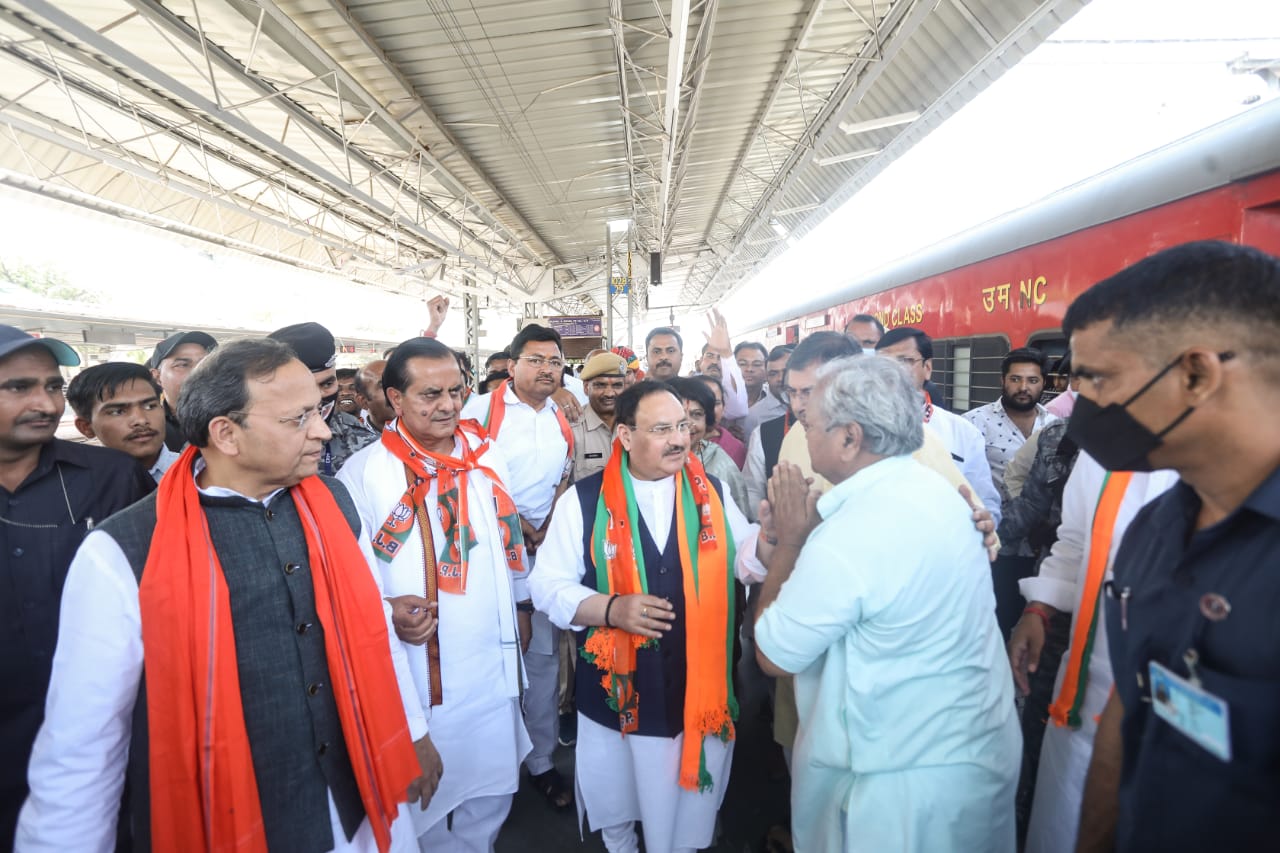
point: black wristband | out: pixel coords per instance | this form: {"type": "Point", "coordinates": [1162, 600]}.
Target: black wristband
{"type": "Point", "coordinates": [524, 606]}
{"type": "Point", "coordinates": [607, 607]}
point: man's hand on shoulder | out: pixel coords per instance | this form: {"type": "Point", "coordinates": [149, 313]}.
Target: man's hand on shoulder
{"type": "Point", "coordinates": [568, 404]}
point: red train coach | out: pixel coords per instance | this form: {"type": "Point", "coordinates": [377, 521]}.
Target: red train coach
{"type": "Point", "coordinates": [1008, 283]}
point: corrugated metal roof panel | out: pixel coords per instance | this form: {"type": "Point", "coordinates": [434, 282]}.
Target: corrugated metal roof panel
{"type": "Point", "coordinates": [381, 135]}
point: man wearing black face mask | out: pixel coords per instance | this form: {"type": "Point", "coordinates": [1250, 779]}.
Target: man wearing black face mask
{"type": "Point", "coordinates": [1180, 369]}
{"type": "Point", "coordinates": [314, 346]}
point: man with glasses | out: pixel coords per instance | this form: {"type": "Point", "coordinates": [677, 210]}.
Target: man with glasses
{"type": "Point", "coordinates": [605, 377]}
{"type": "Point", "coordinates": [315, 348]}
{"type": "Point", "coordinates": [52, 492]}
{"type": "Point", "coordinates": [913, 349]}
{"type": "Point", "coordinates": [446, 544]}
{"type": "Point", "coordinates": [762, 405]}
{"type": "Point", "coordinates": [645, 550]}
{"type": "Point", "coordinates": [802, 377]}
{"type": "Point", "coordinates": [764, 442]}
{"type": "Point", "coordinates": [174, 358]}
{"type": "Point", "coordinates": [536, 438]}
{"type": "Point", "coordinates": [225, 649]}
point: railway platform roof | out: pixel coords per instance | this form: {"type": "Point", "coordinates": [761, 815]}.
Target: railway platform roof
{"type": "Point", "coordinates": [482, 147]}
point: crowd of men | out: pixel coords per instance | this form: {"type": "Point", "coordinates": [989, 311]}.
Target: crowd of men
{"type": "Point", "coordinates": [287, 606]}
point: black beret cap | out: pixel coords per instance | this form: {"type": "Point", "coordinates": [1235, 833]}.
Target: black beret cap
{"type": "Point", "coordinates": [176, 340]}
{"type": "Point", "coordinates": [311, 342]}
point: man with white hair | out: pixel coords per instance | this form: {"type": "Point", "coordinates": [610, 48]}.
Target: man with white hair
{"type": "Point", "coordinates": [908, 738]}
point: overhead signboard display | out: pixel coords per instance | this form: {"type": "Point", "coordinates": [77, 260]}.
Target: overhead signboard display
{"type": "Point", "coordinates": [577, 326]}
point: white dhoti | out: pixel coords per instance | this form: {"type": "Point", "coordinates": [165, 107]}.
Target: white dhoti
{"type": "Point", "coordinates": [620, 780]}
{"type": "Point", "coordinates": [476, 823]}
{"type": "Point", "coordinates": [478, 728]}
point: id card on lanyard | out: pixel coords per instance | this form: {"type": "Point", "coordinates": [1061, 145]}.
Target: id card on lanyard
{"type": "Point", "coordinates": [1192, 710]}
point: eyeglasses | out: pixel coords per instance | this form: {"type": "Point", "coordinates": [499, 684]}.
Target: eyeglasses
{"type": "Point", "coordinates": [537, 362]}
{"type": "Point", "coordinates": [663, 430]}
{"type": "Point", "coordinates": [300, 422]}
{"type": "Point", "coordinates": [907, 360]}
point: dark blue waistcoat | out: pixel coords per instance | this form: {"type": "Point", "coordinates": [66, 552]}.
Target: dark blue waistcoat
{"type": "Point", "coordinates": [660, 672]}
{"type": "Point", "coordinates": [295, 735]}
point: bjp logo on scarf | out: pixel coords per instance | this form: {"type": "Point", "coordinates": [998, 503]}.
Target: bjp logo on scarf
{"type": "Point", "coordinates": [401, 514]}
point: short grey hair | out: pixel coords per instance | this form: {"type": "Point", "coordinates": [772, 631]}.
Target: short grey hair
{"type": "Point", "coordinates": [877, 395]}
{"type": "Point", "coordinates": [219, 385]}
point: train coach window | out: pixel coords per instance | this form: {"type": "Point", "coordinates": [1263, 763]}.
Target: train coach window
{"type": "Point", "coordinates": [961, 366]}
{"type": "Point", "coordinates": [968, 370]}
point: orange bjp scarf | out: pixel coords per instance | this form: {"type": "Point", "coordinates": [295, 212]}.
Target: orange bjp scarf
{"type": "Point", "coordinates": [1065, 710]}
{"type": "Point", "coordinates": [706, 553]}
{"type": "Point", "coordinates": [452, 504]}
{"type": "Point", "coordinates": [204, 794]}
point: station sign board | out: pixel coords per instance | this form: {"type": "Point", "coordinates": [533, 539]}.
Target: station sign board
{"type": "Point", "coordinates": [577, 326]}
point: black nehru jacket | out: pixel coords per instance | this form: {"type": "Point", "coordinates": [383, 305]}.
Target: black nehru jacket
{"type": "Point", "coordinates": [296, 741]}
{"type": "Point", "coordinates": [73, 488]}
{"type": "Point", "coordinates": [661, 671]}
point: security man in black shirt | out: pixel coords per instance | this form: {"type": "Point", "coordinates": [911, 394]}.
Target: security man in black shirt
{"type": "Point", "coordinates": [1180, 368]}
{"type": "Point", "coordinates": [52, 492]}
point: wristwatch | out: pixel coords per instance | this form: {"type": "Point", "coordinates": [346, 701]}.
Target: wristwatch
{"type": "Point", "coordinates": [524, 606]}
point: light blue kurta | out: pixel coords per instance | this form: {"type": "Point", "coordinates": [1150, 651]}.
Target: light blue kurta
{"type": "Point", "coordinates": [908, 739]}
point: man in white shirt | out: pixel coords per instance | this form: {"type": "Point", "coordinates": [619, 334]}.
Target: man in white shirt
{"type": "Point", "coordinates": [236, 573]}
{"type": "Point", "coordinates": [762, 400]}
{"type": "Point", "coordinates": [665, 350]}
{"type": "Point", "coordinates": [1061, 584]}
{"type": "Point", "coordinates": [1007, 423]}
{"type": "Point", "coordinates": [118, 403]}
{"type": "Point", "coordinates": [536, 440]}
{"type": "Point", "coordinates": [765, 440]}
{"type": "Point", "coordinates": [650, 748]}
{"type": "Point", "coordinates": [464, 581]}
{"type": "Point", "coordinates": [913, 349]}
{"type": "Point", "coordinates": [908, 738]}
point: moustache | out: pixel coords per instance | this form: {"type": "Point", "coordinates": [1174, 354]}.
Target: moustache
{"type": "Point", "coordinates": [41, 419]}
{"type": "Point", "coordinates": [142, 433]}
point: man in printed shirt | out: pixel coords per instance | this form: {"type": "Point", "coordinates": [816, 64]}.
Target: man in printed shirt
{"type": "Point", "coordinates": [1007, 423]}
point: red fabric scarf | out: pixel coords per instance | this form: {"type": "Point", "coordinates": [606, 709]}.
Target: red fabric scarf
{"type": "Point", "coordinates": [204, 794]}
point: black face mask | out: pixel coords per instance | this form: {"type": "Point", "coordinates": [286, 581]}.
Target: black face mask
{"type": "Point", "coordinates": [1115, 438]}
{"type": "Point", "coordinates": [328, 405]}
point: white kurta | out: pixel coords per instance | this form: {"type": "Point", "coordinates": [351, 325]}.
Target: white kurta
{"type": "Point", "coordinates": [478, 729]}
{"type": "Point", "coordinates": [908, 739]}
{"type": "Point", "coordinates": [624, 779]}
{"type": "Point", "coordinates": [969, 451]}
{"type": "Point", "coordinates": [78, 764]}
{"type": "Point", "coordinates": [537, 459]}
{"type": "Point", "coordinates": [1065, 753]}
